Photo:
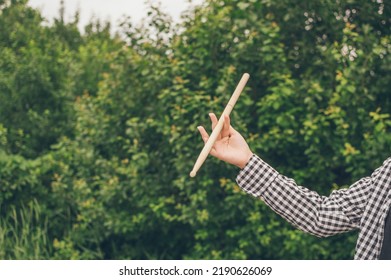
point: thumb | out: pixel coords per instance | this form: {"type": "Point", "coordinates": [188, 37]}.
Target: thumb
{"type": "Point", "coordinates": [205, 137]}
{"type": "Point", "coordinates": [204, 134]}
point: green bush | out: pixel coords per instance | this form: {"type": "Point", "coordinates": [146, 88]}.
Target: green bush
{"type": "Point", "coordinates": [101, 128]}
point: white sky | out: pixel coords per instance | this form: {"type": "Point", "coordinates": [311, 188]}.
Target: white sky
{"type": "Point", "coordinates": [109, 9]}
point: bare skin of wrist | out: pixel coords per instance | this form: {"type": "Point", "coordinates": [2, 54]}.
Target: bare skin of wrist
{"type": "Point", "coordinates": [244, 163]}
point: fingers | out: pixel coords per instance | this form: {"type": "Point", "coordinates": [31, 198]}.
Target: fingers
{"type": "Point", "coordinates": [205, 137]}
{"type": "Point", "coordinates": [204, 134]}
{"type": "Point", "coordinates": [225, 132]}
{"type": "Point", "coordinates": [213, 119]}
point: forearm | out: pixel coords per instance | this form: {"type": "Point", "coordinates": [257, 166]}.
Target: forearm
{"type": "Point", "coordinates": [305, 209]}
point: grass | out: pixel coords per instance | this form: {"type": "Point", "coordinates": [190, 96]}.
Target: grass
{"type": "Point", "coordinates": [23, 233]}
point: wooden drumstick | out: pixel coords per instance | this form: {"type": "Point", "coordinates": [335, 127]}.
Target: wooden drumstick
{"type": "Point", "coordinates": [216, 131]}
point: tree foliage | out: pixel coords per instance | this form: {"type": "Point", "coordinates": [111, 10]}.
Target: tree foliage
{"type": "Point", "coordinates": [98, 131]}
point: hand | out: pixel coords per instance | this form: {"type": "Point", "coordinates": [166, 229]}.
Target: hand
{"type": "Point", "coordinates": [230, 146]}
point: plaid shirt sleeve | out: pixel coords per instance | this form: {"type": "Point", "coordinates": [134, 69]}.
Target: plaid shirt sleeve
{"type": "Point", "coordinates": [307, 210]}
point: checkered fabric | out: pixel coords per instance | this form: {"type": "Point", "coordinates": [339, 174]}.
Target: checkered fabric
{"type": "Point", "coordinates": [363, 206]}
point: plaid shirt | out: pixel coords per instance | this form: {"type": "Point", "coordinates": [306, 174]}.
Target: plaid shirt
{"type": "Point", "coordinates": [364, 205]}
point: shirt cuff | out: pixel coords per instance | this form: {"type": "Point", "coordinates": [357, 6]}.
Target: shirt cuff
{"type": "Point", "coordinates": [256, 176]}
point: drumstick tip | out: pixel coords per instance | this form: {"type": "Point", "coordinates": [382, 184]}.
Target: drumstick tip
{"type": "Point", "coordinates": [193, 173]}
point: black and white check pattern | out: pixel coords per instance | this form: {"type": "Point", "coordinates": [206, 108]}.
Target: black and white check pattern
{"type": "Point", "coordinates": [363, 206]}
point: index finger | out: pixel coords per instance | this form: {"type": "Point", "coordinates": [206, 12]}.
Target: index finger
{"type": "Point", "coordinates": [214, 121]}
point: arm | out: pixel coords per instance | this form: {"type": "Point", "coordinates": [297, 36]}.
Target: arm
{"type": "Point", "coordinates": [307, 210]}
